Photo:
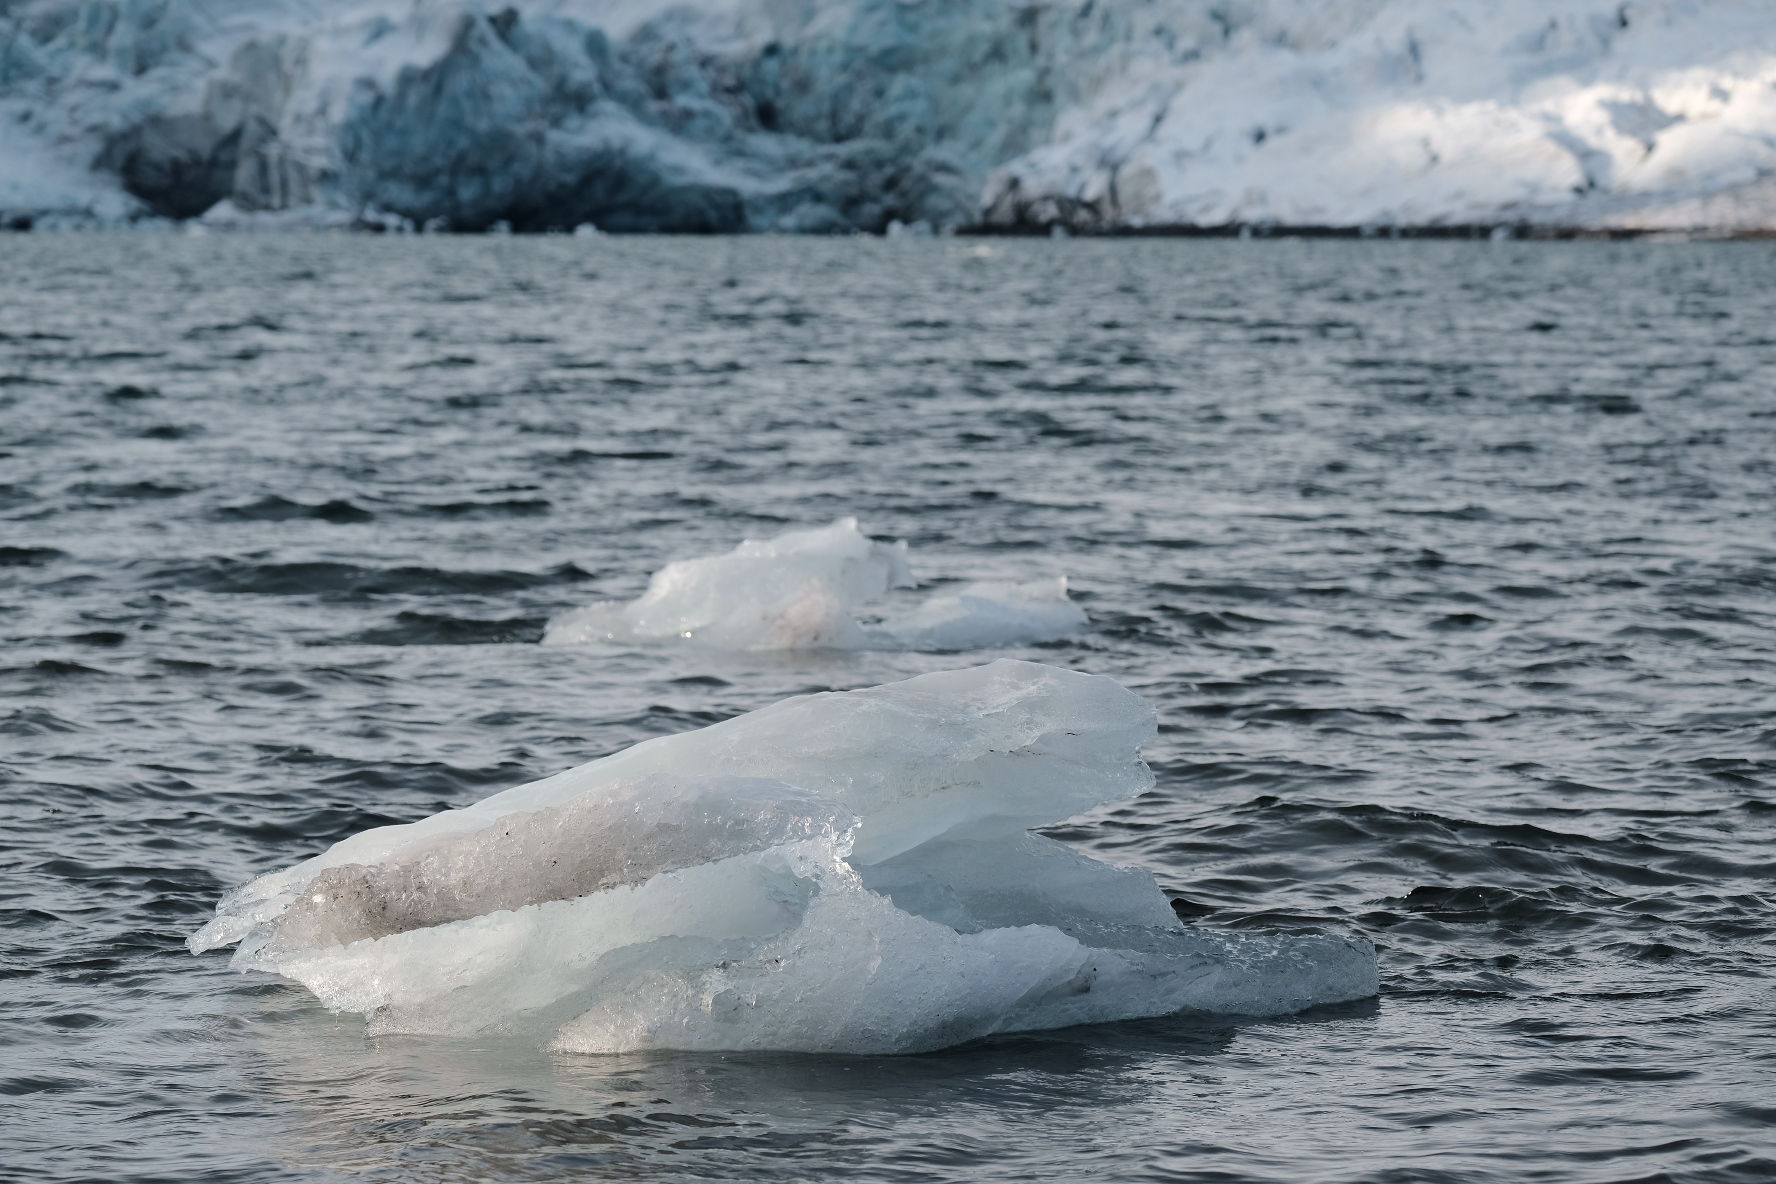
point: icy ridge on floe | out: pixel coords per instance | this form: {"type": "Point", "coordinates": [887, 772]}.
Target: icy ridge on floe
{"type": "Point", "coordinates": [848, 871]}
{"type": "Point", "coordinates": [827, 115]}
{"type": "Point", "coordinates": [805, 589]}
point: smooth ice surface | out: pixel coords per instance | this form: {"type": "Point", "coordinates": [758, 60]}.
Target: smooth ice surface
{"type": "Point", "coordinates": [848, 871]}
{"type": "Point", "coordinates": [805, 590]}
{"type": "Point", "coordinates": [828, 115]}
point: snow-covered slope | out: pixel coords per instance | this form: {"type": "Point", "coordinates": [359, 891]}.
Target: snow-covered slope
{"type": "Point", "coordinates": [823, 115]}
{"type": "Point", "coordinates": [1416, 112]}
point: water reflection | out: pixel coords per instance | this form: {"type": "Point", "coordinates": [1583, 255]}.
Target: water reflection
{"type": "Point", "coordinates": [503, 1110]}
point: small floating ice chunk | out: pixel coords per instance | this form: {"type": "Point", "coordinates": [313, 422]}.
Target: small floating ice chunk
{"type": "Point", "coordinates": [804, 590]}
{"type": "Point", "coordinates": [795, 591]}
{"type": "Point", "coordinates": [849, 871]}
{"type": "Point", "coordinates": [990, 614]}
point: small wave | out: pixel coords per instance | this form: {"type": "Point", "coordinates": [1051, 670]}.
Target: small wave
{"type": "Point", "coordinates": [805, 589]}
{"type": "Point", "coordinates": [1680, 634]}
{"type": "Point", "coordinates": [28, 556]}
{"type": "Point", "coordinates": [516, 508]}
{"type": "Point", "coordinates": [253, 322]}
{"type": "Point", "coordinates": [127, 491]}
{"type": "Point", "coordinates": [1469, 876]}
{"type": "Point", "coordinates": [584, 455]}
{"type": "Point", "coordinates": [55, 668]}
{"type": "Point", "coordinates": [411, 628]}
{"type": "Point", "coordinates": [35, 721]}
{"type": "Point", "coordinates": [101, 637]}
{"type": "Point", "coordinates": [277, 509]}
{"type": "Point", "coordinates": [1203, 621]}
{"type": "Point", "coordinates": [1247, 592]}
{"type": "Point", "coordinates": [1549, 909]}
{"type": "Point", "coordinates": [325, 578]}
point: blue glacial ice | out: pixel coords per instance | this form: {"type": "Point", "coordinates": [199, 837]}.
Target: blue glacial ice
{"type": "Point", "coordinates": [808, 589]}
{"type": "Point", "coordinates": [831, 115]}
{"type": "Point", "coordinates": [840, 872]}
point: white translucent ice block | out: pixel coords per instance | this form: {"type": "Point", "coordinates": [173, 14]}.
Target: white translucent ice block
{"type": "Point", "coordinates": [848, 871]}
{"type": "Point", "coordinates": [805, 590]}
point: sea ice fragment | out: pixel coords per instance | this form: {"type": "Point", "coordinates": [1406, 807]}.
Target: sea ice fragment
{"type": "Point", "coordinates": [848, 871]}
{"type": "Point", "coordinates": [804, 590]}
{"type": "Point", "coordinates": [990, 613]}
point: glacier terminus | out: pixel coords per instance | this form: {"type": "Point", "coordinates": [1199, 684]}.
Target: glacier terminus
{"type": "Point", "coordinates": [830, 116]}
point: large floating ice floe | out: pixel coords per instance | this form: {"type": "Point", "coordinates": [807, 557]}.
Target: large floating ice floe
{"type": "Point", "coordinates": [842, 872]}
{"type": "Point", "coordinates": [806, 589]}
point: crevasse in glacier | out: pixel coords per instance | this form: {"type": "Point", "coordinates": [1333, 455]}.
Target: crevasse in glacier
{"type": "Point", "coordinates": [805, 589]}
{"type": "Point", "coordinates": [848, 871]}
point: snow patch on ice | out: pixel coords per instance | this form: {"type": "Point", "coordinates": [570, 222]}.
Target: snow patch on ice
{"type": "Point", "coordinates": [804, 590]}
{"type": "Point", "coordinates": [849, 871]}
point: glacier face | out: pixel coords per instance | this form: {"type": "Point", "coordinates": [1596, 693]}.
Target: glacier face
{"type": "Point", "coordinates": [830, 115]}
{"type": "Point", "coordinates": [719, 116]}
{"type": "Point", "coordinates": [841, 872]}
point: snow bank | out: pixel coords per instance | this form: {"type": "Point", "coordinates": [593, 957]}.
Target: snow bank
{"type": "Point", "coordinates": [1417, 113]}
{"type": "Point", "coordinates": [846, 872]}
{"type": "Point", "coordinates": [804, 590]}
{"type": "Point", "coordinates": [829, 115]}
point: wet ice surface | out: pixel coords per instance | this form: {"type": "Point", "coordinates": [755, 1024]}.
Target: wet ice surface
{"type": "Point", "coordinates": [845, 872]}
{"type": "Point", "coordinates": [1447, 565]}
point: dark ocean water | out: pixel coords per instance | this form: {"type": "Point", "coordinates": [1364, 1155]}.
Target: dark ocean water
{"type": "Point", "coordinates": [1450, 567]}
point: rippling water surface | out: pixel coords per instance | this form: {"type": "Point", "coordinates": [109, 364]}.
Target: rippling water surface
{"type": "Point", "coordinates": [1450, 567]}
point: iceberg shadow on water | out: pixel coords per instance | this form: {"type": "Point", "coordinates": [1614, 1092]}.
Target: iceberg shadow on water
{"type": "Point", "coordinates": [841, 872]}
{"type": "Point", "coordinates": [807, 589]}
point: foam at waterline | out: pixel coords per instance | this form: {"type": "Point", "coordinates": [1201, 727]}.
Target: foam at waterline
{"type": "Point", "coordinates": [804, 590]}
{"type": "Point", "coordinates": [849, 871]}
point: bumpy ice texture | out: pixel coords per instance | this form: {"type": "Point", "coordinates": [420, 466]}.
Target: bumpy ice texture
{"type": "Point", "coordinates": [849, 871]}
{"type": "Point", "coordinates": [804, 590]}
